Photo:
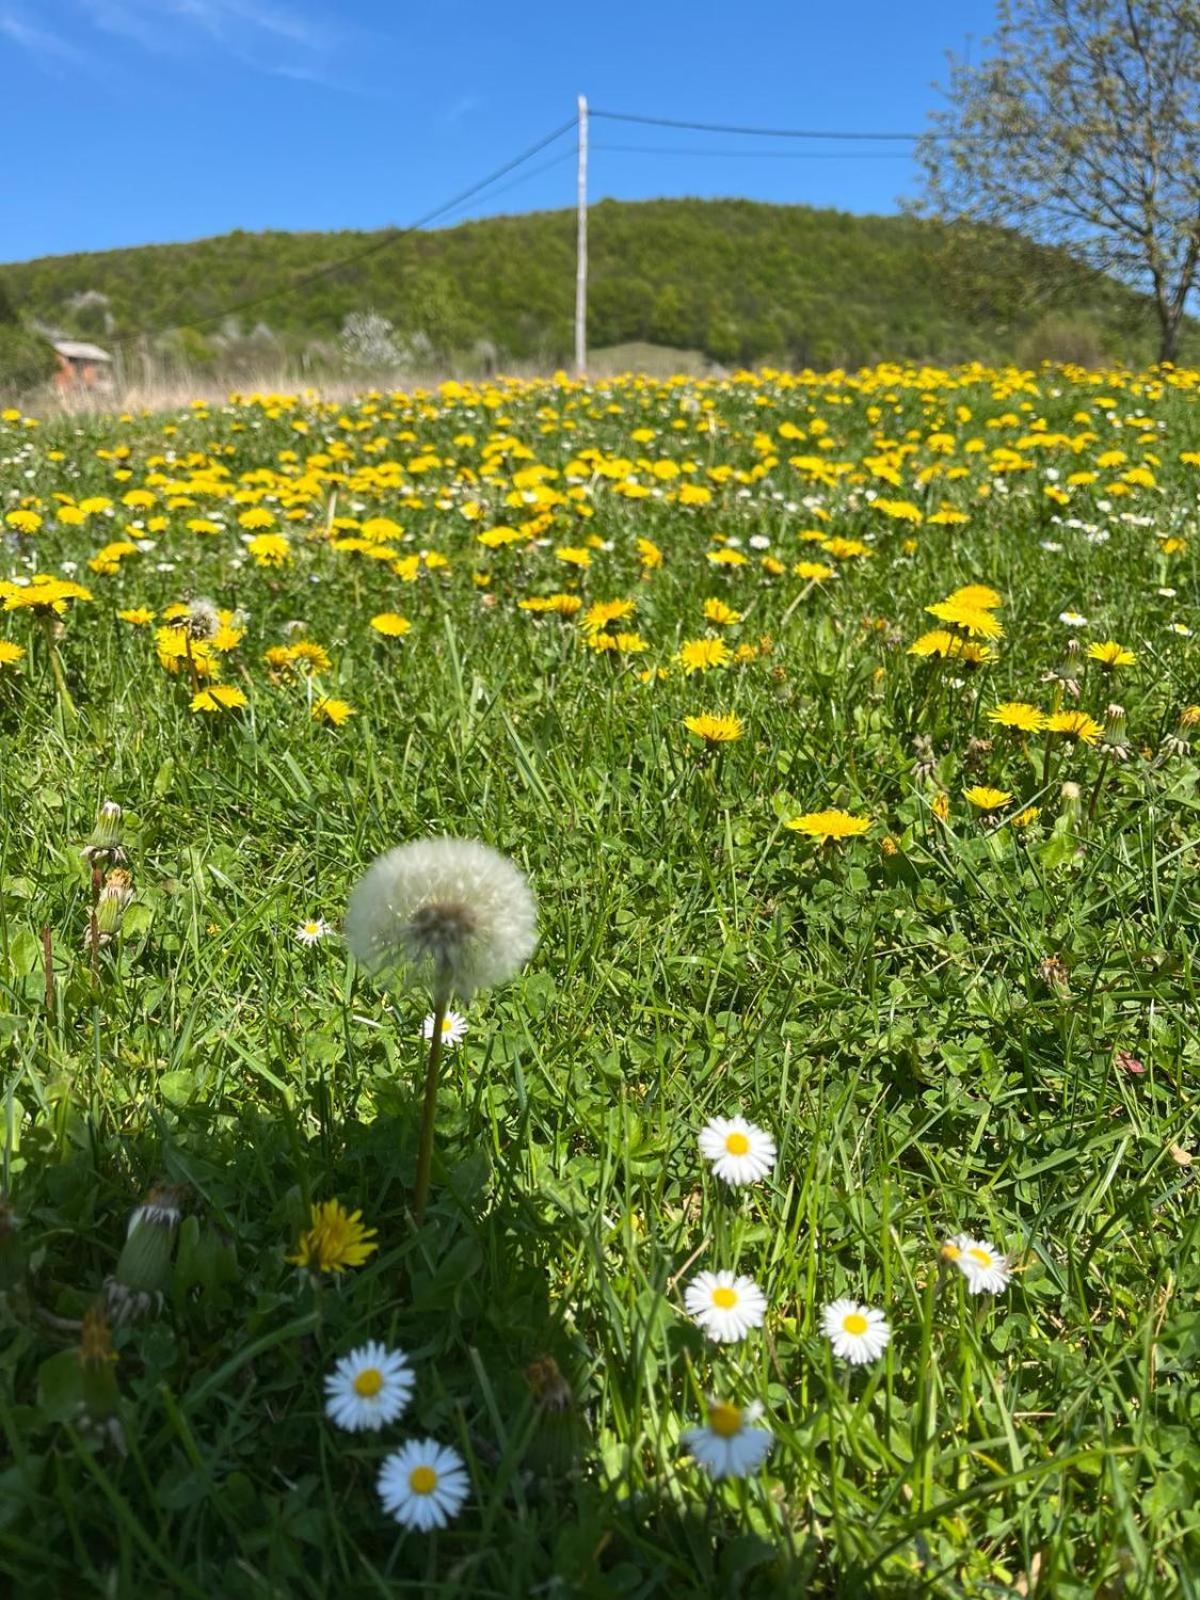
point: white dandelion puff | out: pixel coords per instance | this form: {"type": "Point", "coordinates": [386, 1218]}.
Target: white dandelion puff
{"type": "Point", "coordinates": [452, 913]}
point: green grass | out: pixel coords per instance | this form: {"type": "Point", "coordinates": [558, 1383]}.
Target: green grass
{"type": "Point", "coordinates": [882, 1011]}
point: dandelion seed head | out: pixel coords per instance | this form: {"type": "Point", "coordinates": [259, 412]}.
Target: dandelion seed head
{"type": "Point", "coordinates": [450, 913]}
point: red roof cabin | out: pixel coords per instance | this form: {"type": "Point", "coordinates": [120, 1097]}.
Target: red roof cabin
{"type": "Point", "coordinates": [81, 366]}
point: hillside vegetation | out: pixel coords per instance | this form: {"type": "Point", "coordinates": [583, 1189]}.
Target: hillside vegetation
{"type": "Point", "coordinates": [738, 280]}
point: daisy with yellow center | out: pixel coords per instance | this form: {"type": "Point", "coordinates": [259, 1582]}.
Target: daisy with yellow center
{"type": "Point", "coordinates": [857, 1333]}
{"type": "Point", "coordinates": [727, 1307]}
{"type": "Point", "coordinates": [730, 1446]}
{"type": "Point", "coordinates": [454, 1028]}
{"type": "Point", "coordinates": [1018, 715]}
{"type": "Point", "coordinates": [739, 1151]}
{"type": "Point", "coordinates": [713, 729]}
{"type": "Point", "coordinates": [334, 1240]}
{"type": "Point", "coordinates": [1110, 654]}
{"type": "Point", "coordinates": [829, 825]}
{"type": "Point", "coordinates": [986, 1270]}
{"type": "Point", "coordinates": [368, 1388]}
{"type": "Point", "coordinates": [987, 799]}
{"type": "Point", "coordinates": [423, 1484]}
{"type": "Point", "coordinates": [313, 931]}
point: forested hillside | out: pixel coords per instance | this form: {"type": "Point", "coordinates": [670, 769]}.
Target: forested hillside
{"type": "Point", "coordinates": [738, 280]}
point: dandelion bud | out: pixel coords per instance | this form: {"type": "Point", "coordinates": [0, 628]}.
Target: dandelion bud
{"type": "Point", "coordinates": [450, 913]}
{"type": "Point", "coordinates": [1114, 739]}
{"type": "Point", "coordinates": [105, 843]}
{"type": "Point", "coordinates": [110, 907]}
{"type": "Point", "coordinates": [144, 1267]}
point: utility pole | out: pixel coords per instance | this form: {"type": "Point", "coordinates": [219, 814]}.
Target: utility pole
{"type": "Point", "coordinates": [581, 245]}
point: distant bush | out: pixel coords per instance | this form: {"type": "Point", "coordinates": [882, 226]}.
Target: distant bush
{"type": "Point", "coordinates": [1057, 337]}
{"type": "Point", "coordinates": [26, 359]}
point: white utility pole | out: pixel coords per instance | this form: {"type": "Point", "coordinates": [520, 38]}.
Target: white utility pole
{"type": "Point", "coordinates": [581, 245]}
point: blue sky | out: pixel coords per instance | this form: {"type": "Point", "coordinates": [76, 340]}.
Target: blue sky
{"type": "Point", "coordinates": [137, 121]}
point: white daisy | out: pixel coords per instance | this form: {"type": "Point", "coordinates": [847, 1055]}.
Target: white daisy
{"type": "Point", "coordinates": [858, 1333]}
{"type": "Point", "coordinates": [454, 1028]}
{"type": "Point", "coordinates": [725, 1306]}
{"type": "Point", "coordinates": [986, 1270]}
{"type": "Point", "coordinates": [1182, 629]}
{"type": "Point", "coordinates": [1073, 619]}
{"type": "Point", "coordinates": [739, 1151]}
{"type": "Point", "coordinates": [368, 1387]}
{"type": "Point", "coordinates": [423, 1484]}
{"type": "Point", "coordinates": [313, 931]}
{"type": "Point", "coordinates": [729, 1447]}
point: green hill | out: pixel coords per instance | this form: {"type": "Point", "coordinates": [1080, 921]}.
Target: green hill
{"type": "Point", "coordinates": [737, 280]}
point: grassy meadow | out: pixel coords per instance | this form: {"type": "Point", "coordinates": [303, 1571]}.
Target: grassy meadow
{"type": "Point", "coordinates": [919, 900]}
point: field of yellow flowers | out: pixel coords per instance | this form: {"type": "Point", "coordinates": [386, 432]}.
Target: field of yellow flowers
{"type": "Point", "coordinates": [815, 1210]}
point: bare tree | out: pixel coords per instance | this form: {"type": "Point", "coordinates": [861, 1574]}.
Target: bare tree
{"type": "Point", "coordinates": [1081, 128]}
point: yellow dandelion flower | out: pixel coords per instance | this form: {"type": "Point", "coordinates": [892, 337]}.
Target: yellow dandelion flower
{"type": "Point", "coordinates": [573, 556]}
{"type": "Point", "coordinates": [727, 558]}
{"type": "Point", "coordinates": [1019, 715]}
{"type": "Point", "coordinates": [597, 617]}
{"type": "Point", "coordinates": [137, 616]}
{"type": "Point", "coordinates": [827, 825]}
{"type": "Point", "coordinates": [649, 554]}
{"type": "Point", "coordinates": [256, 517]}
{"type": "Point", "coordinates": [1074, 725]}
{"type": "Point", "coordinates": [1110, 654]}
{"type": "Point", "coordinates": [714, 729]}
{"type": "Point", "coordinates": [219, 697]}
{"type": "Point", "coordinates": [718, 611]}
{"type": "Point", "coordinates": [698, 655]}
{"type": "Point", "coordinates": [334, 1240]}
{"type": "Point", "coordinates": [972, 619]}
{"type": "Point", "coordinates": [812, 571]}
{"type": "Point", "coordinates": [391, 624]}
{"type": "Point", "coordinates": [269, 549]}
{"type": "Point", "coordinates": [334, 711]}
{"type": "Point", "coordinates": [985, 798]}
{"type": "Point", "coordinates": [978, 596]}
{"type": "Point", "coordinates": [10, 653]}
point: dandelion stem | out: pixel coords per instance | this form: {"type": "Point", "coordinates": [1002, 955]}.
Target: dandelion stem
{"type": "Point", "coordinates": [70, 713]}
{"type": "Point", "coordinates": [1095, 800]}
{"type": "Point", "coordinates": [428, 1111]}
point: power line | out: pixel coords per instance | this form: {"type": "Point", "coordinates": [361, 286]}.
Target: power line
{"type": "Point", "coordinates": [756, 155]}
{"type": "Point", "coordinates": [390, 239]}
{"type": "Point", "coordinates": [761, 133]}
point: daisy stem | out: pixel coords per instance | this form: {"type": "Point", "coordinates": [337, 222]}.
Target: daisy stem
{"type": "Point", "coordinates": [425, 1156]}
